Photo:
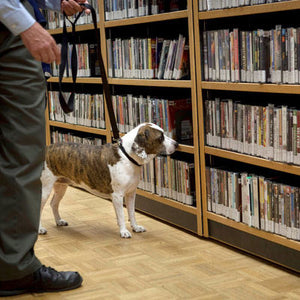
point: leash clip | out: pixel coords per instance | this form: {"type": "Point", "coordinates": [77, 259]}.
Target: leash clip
{"type": "Point", "coordinates": [117, 141]}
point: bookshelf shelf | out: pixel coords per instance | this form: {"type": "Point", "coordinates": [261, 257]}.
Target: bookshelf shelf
{"type": "Point", "coordinates": [167, 201]}
{"type": "Point", "coordinates": [252, 87]}
{"type": "Point", "coordinates": [249, 10]}
{"type": "Point", "coordinates": [151, 82]}
{"type": "Point", "coordinates": [147, 19]}
{"type": "Point", "coordinates": [186, 149]}
{"type": "Point", "coordinates": [262, 162]}
{"type": "Point", "coordinates": [260, 233]}
{"type": "Point", "coordinates": [131, 82]}
{"type": "Point", "coordinates": [84, 27]}
{"type": "Point", "coordinates": [78, 127]}
{"type": "Point", "coordinates": [87, 80]}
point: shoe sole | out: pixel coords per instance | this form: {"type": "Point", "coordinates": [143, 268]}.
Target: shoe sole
{"type": "Point", "coordinates": [12, 293]}
{"type": "Point", "coordinates": [20, 292]}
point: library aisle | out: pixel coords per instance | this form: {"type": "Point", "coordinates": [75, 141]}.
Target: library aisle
{"type": "Point", "coordinates": [162, 263]}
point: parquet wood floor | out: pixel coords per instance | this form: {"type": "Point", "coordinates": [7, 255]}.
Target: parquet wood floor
{"type": "Point", "coordinates": [162, 263]}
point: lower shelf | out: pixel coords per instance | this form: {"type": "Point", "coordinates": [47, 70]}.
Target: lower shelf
{"type": "Point", "coordinates": [287, 257]}
{"type": "Point", "coordinates": [167, 213]}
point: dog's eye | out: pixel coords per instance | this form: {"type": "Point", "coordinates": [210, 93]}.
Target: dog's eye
{"type": "Point", "coordinates": [161, 138]}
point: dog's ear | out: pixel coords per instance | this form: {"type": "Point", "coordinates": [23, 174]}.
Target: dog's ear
{"type": "Point", "coordinates": [142, 137]}
{"type": "Point", "coordinates": [147, 133]}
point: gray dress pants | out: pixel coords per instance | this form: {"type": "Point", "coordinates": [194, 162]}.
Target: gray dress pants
{"type": "Point", "coordinates": [22, 143]}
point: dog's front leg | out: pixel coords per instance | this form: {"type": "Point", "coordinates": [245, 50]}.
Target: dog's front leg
{"type": "Point", "coordinates": [130, 204]}
{"type": "Point", "coordinates": [117, 200]}
{"type": "Point", "coordinates": [59, 191]}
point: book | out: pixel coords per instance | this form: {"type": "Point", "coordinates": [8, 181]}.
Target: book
{"type": "Point", "coordinates": [94, 63]}
{"type": "Point", "coordinates": [180, 120]}
{"type": "Point", "coordinates": [184, 65]}
{"type": "Point", "coordinates": [163, 58]}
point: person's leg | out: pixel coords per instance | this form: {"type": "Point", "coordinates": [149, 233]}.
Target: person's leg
{"type": "Point", "coordinates": [22, 141]}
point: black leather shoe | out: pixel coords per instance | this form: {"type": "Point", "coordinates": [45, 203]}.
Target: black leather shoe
{"type": "Point", "coordinates": [43, 280]}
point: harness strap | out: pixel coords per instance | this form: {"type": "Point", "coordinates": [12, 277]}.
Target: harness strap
{"type": "Point", "coordinates": [69, 106]}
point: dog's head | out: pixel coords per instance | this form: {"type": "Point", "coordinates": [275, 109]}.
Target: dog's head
{"type": "Point", "coordinates": [149, 141]}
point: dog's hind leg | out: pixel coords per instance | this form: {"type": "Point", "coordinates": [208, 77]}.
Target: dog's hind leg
{"type": "Point", "coordinates": [118, 206]}
{"type": "Point", "coordinates": [130, 204]}
{"type": "Point", "coordinates": [59, 192]}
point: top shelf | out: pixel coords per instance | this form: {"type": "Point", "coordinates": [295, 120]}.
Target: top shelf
{"type": "Point", "coordinates": [249, 10]}
{"type": "Point", "coordinates": [147, 19]}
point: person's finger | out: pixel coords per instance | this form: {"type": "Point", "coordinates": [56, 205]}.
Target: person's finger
{"type": "Point", "coordinates": [71, 7]}
{"type": "Point", "coordinates": [57, 54]}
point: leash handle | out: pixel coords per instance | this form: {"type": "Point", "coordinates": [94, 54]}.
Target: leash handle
{"type": "Point", "coordinates": [69, 106]}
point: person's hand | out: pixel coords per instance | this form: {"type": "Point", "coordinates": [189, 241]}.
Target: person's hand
{"type": "Point", "coordinates": [41, 44]}
{"type": "Point", "coordinates": [71, 7]}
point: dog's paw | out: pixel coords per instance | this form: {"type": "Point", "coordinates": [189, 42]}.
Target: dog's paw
{"type": "Point", "coordinates": [125, 234]}
{"type": "Point", "coordinates": [138, 228]}
{"type": "Point", "coordinates": [42, 230]}
{"type": "Point", "coordinates": [62, 222]}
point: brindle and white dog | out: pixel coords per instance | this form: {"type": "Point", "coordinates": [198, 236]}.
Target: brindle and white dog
{"type": "Point", "coordinates": [106, 171]}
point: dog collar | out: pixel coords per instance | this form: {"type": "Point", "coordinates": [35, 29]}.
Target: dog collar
{"type": "Point", "coordinates": [127, 155]}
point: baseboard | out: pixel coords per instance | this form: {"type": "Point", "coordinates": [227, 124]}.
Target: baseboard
{"type": "Point", "coordinates": [167, 213]}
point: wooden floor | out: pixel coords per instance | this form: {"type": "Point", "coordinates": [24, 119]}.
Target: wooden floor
{"type": "Point", "coordinates": [162, 263]}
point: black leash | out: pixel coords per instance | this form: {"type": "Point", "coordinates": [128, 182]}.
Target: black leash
{"type": "Point", "coordinates": [69, 106]}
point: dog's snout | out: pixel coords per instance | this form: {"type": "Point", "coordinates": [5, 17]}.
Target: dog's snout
{"type": "Point", "coordinates": [176, 145]}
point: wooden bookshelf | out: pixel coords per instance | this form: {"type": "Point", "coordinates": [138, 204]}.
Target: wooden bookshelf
{"type": "Point", "coordinates": [253, 160]}
{"type": "Point", "coordinates": [84, 27]}
{"type": "Point", "coordinates": [252, 87]}
{"type": "Point", "coordinates": [151, 82]}
{"type": "Point", "coordinates": [249, 10]}
{"type": "Point", "coordinates": [264, 244]}
{"type": "Point", "coordinates": [148, 19]}
{"type": "Point", "coordinates": [78, 128]}
{"type": "Point", "coordinates": [87, 80]}
{"type": "Point", "coordinates": [167, 201]}
{"type": "Point", "coordinates": [190, 215]}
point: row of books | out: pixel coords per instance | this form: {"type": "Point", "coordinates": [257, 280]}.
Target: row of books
{"type": "Point", "coordinates": [61, 136]}
{"type": "Point", "coordinates": [87, 61]}
{"type": "Point", "coordinates": [116, 9]}
{"type": "Point", "coordinates": [271, 56]}
{"type": "Point", "coordinates": [146, 58]}
{"type": "Point", "coordinates": [257, 201]}
{"type": "Point", "coordinates": [267, 131]}
{"type": "Point", "coordinates": [174, 181]}
{"type": "Point", "coordinates": [221, 4]}
{"type": "Point", "coordinates": [55, 19]}
{"type": "Point", "coordinates": [88, 109]}
{"type": "Point", "coordinates": [174, 116]}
